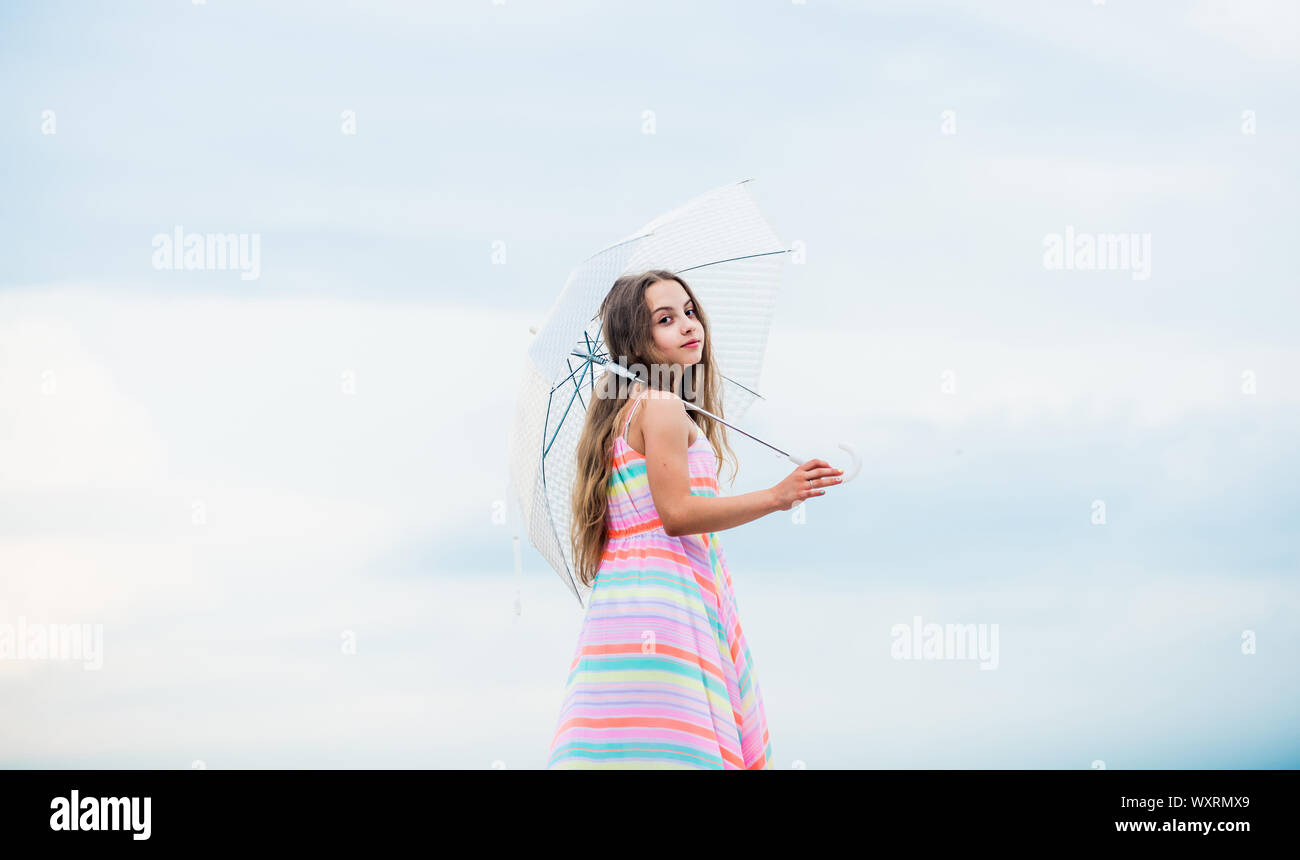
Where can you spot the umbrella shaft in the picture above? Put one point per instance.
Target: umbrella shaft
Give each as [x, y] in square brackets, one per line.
[785, 454]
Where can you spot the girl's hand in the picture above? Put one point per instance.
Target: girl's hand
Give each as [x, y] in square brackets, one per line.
[804, 483]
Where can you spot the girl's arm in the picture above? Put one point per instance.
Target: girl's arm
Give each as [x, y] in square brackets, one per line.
[667, 439]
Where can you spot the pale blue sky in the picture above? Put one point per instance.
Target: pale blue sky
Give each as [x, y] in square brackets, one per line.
[129, 396]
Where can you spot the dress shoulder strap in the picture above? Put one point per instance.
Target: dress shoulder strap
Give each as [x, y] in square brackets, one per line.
[632, 411]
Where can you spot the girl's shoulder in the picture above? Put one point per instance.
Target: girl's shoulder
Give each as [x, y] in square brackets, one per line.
[663, 406]
[656, 397]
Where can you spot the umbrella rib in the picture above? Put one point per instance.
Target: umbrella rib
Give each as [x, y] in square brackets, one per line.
[572, 370]
[739, 385]
[577, 386]
[550, 521]
[560, 423]
[577, 391]
[732, 260]
[577, 370]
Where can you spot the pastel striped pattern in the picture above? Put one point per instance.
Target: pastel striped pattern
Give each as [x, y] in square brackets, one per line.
[661, 676]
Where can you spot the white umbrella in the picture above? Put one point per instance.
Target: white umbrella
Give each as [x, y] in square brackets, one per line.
[734, 261]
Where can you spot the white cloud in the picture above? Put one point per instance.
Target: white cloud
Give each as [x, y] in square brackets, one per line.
[842, 375]
[184, 449]
[65, 421]
[1159, 41]
[1269, 29]
[1098, 184]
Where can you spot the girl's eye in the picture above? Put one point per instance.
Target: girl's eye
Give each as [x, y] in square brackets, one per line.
[690, 311]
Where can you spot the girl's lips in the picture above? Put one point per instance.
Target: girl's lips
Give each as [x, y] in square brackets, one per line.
[691, 344]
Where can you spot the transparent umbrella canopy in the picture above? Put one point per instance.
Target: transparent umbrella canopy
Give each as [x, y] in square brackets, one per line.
[735, 263]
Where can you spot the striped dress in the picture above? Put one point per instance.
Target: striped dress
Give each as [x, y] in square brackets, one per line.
[662, 675]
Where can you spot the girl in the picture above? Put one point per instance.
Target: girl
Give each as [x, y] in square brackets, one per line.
[662, 676]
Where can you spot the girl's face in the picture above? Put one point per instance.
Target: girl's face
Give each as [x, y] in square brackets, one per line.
[678, 335]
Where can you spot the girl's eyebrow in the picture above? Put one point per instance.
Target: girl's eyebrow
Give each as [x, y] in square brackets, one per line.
[666, 308]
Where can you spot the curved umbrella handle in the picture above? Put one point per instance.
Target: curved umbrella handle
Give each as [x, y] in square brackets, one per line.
[849, 473]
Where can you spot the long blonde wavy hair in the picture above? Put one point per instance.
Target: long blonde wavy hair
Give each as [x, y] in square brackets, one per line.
[625, 329]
